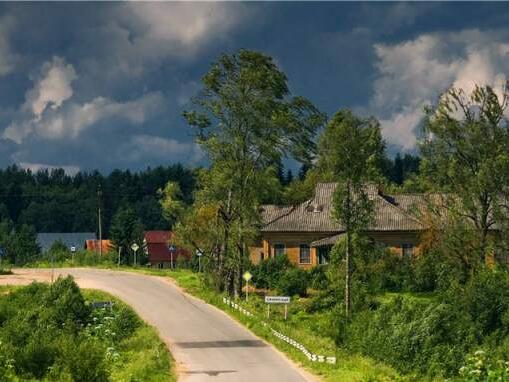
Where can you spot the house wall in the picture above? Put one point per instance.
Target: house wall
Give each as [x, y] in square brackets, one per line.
[293, 240]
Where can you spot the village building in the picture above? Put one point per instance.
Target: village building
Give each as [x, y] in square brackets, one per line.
[99, 246]
[160, 250]
[72, 240]
[306, 232]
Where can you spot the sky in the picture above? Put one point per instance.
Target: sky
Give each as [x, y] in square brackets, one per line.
[103, 85]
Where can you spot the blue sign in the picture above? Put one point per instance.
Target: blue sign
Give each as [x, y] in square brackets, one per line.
[172, 248]
[2, 252]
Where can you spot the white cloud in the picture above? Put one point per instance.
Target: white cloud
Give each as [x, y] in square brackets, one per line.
[71, 120]
[186, 23]
[53, 88]
[78, 117]
[141, 36]
[49, 112]
[142, 146]
[414, 73]
[34, 167]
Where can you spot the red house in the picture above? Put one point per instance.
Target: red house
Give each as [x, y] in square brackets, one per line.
[161, 254]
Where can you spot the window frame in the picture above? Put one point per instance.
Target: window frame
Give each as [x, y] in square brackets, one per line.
[300, 253]
[281, 246]
[404, 248]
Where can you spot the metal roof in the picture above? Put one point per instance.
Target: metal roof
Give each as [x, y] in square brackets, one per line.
[70, 239]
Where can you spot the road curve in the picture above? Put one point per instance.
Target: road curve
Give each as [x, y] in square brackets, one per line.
[206, 343]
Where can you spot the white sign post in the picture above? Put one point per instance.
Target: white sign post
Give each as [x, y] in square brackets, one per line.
[277, 300]
[73, 251]
[135, 248]
[247, 276]
[172, 250]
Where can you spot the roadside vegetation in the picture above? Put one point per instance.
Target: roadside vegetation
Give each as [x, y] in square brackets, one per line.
[55, 333]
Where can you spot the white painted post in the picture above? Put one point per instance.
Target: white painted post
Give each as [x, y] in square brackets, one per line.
[247, 289]
[286, 311]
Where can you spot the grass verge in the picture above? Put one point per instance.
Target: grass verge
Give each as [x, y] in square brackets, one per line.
[144, 357]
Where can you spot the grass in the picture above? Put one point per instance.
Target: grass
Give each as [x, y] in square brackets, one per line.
[144, 357]
[5, 271]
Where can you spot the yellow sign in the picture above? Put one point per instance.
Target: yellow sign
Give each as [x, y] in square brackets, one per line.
[247, 276]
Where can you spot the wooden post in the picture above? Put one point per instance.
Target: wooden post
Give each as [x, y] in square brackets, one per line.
[286, 311]
[268, 311]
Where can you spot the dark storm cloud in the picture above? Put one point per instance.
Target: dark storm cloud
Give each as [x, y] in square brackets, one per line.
[103, 85]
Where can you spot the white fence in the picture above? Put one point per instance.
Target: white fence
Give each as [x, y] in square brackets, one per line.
[311, 356]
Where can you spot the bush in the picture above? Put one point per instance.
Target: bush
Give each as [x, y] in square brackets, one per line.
[428, 338]
[293, 282]
[50, 333]
[325, 300]
[183, 262]
[485, 297]
[58, 252]
[318, 277]
[268, 272]
[479, 368]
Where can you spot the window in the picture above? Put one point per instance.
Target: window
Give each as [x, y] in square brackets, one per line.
[407, 250]
[304, 254]
[502, 258]
[323, 254]
[279, 249]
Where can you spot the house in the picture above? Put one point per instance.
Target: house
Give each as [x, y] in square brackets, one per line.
[306, 232]
[99, 246]
[157, 245]
[76, 240]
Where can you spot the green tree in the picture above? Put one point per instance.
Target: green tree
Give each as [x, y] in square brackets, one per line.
[172, 205]
[466, 158]
[351, 149]
[126, 229]
[22, 246]
[246, 120]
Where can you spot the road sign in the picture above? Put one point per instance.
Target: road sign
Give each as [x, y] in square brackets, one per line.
[2, 252]
[277, 299]
[135, 247]
[73, 249]
[172, 248]
[199, 254]
[247, 276]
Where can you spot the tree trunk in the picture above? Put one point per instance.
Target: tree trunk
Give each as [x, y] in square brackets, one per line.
[348, 277]
[226, 275]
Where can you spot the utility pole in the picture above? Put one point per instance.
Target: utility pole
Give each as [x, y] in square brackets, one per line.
[99, 196]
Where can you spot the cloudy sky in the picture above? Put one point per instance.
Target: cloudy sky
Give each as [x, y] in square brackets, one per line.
[103, 86]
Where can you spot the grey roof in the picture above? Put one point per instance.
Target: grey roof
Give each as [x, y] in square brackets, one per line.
[330, 240]
[392, 213]
[70, 239]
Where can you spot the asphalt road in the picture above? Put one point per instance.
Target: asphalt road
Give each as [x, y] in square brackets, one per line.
[206, 343]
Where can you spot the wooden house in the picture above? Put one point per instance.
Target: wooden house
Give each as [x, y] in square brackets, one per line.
[306, 232]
